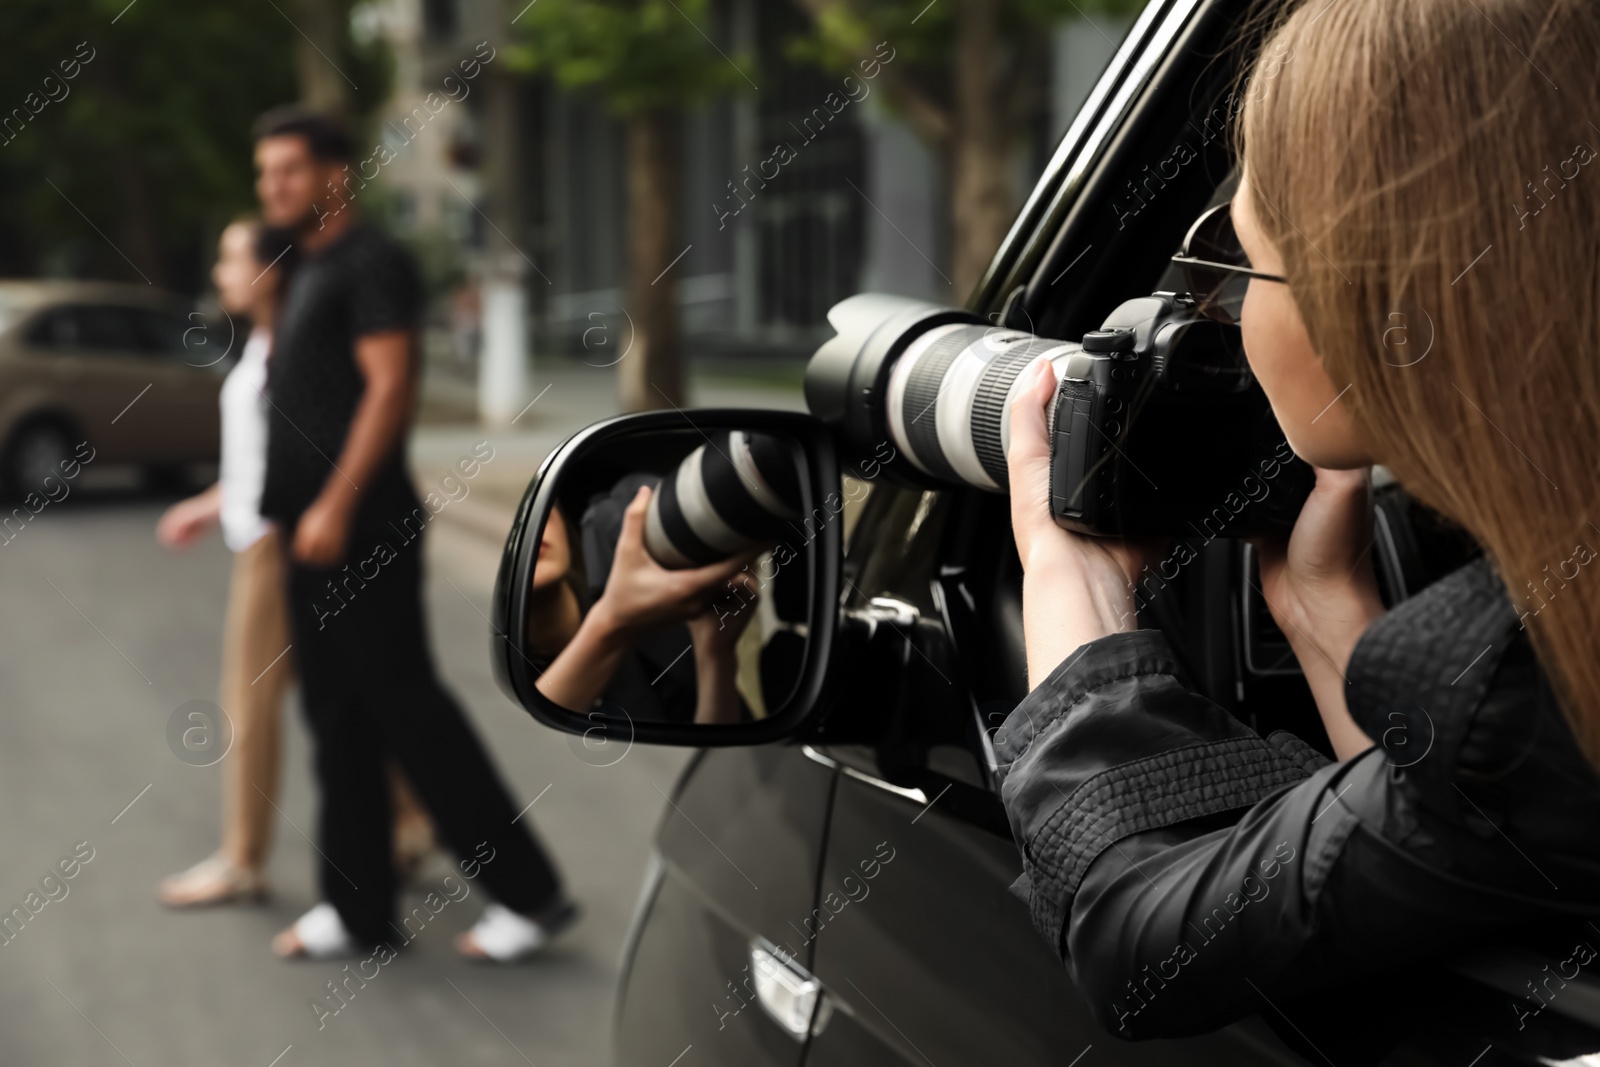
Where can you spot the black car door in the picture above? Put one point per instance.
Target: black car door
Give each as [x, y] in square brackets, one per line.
[924, 955]
[735, 869]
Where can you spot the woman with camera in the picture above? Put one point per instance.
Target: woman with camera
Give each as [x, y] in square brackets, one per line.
[1418, 154]
[621, 645]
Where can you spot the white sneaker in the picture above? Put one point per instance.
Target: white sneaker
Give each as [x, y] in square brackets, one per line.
[321, 936]
[504, 936]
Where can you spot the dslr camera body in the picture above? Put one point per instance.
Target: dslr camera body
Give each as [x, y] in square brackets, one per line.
[1157, 427]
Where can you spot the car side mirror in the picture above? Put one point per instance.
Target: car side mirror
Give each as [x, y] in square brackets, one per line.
[703, 616]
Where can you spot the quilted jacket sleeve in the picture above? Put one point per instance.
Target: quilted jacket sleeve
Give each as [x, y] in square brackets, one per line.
[1187, 870]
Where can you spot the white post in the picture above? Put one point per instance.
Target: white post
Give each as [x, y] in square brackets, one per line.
[503, 363]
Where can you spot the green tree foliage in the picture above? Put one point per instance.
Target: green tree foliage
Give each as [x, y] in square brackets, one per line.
[649, 60]
[639, 55]
[150, 143]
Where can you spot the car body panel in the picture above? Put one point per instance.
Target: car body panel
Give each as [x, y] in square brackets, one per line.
[740, 847]
[148, 401]
[939, 963]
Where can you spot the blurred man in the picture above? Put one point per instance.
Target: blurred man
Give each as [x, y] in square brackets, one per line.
[343, 384]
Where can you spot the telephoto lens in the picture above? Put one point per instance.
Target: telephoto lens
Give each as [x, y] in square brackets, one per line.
[935, 382]
[1157, 426]
[949, 399]
[732, 493]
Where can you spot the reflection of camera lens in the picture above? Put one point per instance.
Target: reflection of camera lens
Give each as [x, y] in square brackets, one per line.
[732, 493]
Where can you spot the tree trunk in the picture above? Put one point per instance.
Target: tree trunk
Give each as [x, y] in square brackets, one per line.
[980, 149]
[139, 230]
[317, 47]
[651, 373]
[141, 220]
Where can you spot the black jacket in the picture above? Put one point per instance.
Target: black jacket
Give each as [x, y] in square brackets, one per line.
[1191, 872]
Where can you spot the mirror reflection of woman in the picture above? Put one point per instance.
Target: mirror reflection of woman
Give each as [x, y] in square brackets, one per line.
[586, 644]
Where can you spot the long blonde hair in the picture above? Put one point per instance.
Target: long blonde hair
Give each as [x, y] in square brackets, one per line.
[1424, 167]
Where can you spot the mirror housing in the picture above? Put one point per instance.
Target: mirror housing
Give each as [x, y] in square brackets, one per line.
[648, 435]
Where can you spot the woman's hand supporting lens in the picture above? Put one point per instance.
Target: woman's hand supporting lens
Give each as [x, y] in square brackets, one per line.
[1075, 588]
[640, 596]
[715, 633]
[1323, 594]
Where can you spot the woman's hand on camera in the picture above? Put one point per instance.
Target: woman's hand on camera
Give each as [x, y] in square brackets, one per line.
[1075, 588]
[641, 594]
[1323, 594]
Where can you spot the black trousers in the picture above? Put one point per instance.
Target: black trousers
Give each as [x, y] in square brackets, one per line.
[371, 694]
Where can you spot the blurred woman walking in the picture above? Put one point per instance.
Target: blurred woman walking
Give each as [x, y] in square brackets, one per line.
[253, 264]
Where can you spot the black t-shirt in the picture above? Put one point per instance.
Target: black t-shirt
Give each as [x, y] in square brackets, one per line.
[363, 283]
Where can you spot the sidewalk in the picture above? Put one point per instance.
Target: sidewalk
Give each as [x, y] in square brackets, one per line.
[564, 398]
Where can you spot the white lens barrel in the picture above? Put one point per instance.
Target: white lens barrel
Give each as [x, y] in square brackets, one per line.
[949, 399]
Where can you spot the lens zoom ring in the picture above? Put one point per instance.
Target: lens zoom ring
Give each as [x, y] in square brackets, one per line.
[680, 534]
[989, 403]
[920, 408]
[732, 499]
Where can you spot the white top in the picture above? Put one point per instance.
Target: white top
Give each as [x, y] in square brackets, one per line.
[244, 444]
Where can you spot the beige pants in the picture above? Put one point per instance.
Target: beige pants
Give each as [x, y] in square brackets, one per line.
[256, 668]
[257, 665]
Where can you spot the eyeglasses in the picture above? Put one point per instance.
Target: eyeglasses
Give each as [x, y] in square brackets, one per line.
[1215, 268]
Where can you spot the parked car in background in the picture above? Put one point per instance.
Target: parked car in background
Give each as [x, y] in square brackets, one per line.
[125, 368]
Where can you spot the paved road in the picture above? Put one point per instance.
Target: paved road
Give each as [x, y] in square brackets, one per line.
[104, 634]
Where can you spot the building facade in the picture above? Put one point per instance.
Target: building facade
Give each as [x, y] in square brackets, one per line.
[527, 180]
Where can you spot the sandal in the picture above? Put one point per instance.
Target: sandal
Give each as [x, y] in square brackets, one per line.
[214, 880]
[503, 936]
[319, 934]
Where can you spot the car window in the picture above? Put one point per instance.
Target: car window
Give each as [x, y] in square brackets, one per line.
[102, 327]
[894, 549]
[158, 333]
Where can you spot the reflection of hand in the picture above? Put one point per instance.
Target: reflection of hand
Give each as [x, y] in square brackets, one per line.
[1322, 592]
[320, 535]
[719, 626]
[715, 633]
[183, 523]
[641, 594]
[1076, 588]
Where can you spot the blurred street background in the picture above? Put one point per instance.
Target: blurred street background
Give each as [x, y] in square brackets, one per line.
[618, 205]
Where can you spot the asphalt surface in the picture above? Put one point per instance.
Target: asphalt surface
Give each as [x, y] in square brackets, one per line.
[104, 635]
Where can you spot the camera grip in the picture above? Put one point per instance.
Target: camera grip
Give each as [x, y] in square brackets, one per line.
[1069, 424]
